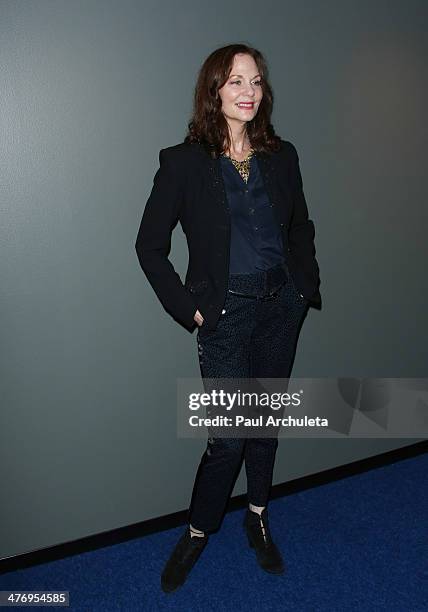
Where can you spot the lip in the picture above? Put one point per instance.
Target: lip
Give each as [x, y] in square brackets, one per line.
[248, 105]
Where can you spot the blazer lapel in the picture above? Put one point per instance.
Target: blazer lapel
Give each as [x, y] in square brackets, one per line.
[216, 182]
[270, 179]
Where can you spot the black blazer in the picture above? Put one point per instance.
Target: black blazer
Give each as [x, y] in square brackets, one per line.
[188, 187]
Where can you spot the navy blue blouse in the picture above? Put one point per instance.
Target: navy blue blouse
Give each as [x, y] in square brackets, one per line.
[255, 241]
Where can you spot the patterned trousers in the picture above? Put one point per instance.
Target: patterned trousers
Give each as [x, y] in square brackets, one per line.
[253, 338]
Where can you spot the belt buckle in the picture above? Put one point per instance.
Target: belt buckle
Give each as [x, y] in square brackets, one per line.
[269, 296]
[272, 294]
[264, 298]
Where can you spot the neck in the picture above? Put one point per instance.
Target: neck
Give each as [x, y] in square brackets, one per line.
[239, 139]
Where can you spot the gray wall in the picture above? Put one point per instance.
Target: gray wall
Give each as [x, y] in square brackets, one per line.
[90, 91]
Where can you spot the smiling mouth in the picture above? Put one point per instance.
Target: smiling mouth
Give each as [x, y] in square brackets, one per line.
[248, 105]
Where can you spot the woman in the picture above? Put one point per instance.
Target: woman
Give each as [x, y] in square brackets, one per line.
[236, 188]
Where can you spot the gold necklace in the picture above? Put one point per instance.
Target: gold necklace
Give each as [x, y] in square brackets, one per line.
[243, 166]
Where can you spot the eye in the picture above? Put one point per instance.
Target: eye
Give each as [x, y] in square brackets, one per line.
[258, 83]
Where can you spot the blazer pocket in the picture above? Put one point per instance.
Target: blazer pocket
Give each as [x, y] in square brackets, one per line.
[197, 287]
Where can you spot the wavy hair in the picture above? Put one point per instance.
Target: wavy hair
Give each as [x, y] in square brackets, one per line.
[208, 125]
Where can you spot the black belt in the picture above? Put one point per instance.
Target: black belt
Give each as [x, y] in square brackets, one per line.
[268, 296]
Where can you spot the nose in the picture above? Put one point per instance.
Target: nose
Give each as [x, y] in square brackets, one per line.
[250, 90]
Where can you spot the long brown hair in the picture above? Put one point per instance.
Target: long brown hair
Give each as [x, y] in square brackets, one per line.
[208, 125]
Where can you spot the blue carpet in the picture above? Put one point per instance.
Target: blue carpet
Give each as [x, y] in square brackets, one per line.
[358, 544]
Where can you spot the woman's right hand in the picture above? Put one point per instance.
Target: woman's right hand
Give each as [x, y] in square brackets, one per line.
[198, 318]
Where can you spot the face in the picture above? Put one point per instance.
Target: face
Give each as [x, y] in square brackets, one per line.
[243, 85]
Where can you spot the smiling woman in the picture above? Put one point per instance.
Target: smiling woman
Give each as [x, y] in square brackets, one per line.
[233, 99]
[236, 188]
[242, 91]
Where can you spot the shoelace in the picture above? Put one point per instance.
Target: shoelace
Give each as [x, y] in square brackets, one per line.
[267, 539]
[263, 530]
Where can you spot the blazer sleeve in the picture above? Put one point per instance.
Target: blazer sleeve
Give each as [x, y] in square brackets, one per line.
[301, 233]
[153, 243]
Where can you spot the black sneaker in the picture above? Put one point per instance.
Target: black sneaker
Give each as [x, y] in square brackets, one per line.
[181, 561]
[259, 538]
